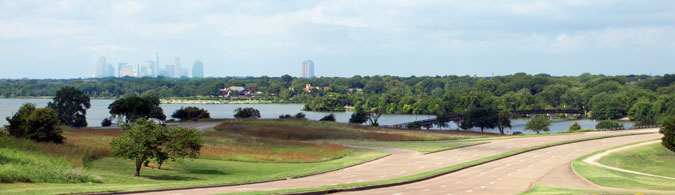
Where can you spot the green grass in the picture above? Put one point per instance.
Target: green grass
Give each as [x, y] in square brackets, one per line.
[118, 174]
[548, 190]
[653, 158]
[420, 146]
[431, 173]
[611, 178]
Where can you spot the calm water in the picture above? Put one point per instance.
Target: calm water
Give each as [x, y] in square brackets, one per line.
[99, 111]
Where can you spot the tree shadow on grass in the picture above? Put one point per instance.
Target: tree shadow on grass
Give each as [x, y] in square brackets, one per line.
[170, 178]
[205, 171]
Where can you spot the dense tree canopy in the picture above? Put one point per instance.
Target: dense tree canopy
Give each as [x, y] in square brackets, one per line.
[135, 107]
[37, 124]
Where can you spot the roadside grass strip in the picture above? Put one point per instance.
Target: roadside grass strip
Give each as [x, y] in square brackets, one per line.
[425, 175]
[618, 179]
[548, 190]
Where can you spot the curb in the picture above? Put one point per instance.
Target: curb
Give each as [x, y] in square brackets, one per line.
[329, 191]
[235, 184]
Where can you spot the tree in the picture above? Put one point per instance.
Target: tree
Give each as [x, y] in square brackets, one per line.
[37, 124]
[538, 123]
[575, 127]
[504, 118]
[483, 118]
[608, 124]
[300, 115]
[143, 140]
[106, 122]
[668, 131]
[71, 104]
[135, 107]
[247, 112]
[329, 117]
[191, 113]
[358, 117]
[643, 112]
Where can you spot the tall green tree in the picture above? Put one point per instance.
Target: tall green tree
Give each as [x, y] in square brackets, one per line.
[538, 123]
[668, 131]
[71, 104]
[504, 118]
[643, 112]
[483, 118]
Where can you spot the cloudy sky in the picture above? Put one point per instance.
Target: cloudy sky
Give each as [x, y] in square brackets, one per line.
[61, 39]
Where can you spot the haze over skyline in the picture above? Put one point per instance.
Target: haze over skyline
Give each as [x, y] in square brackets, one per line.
[61, 39]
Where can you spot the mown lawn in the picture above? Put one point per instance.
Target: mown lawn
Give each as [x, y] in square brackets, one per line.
[548, 190]
[611, 178]
[420, 146]
[653, 158]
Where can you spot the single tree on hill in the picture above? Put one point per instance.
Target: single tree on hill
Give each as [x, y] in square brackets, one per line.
[71, 104]
[135, 107]
[504, 118]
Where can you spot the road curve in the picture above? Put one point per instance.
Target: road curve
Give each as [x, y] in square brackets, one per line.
[512, 175]
[400, 163]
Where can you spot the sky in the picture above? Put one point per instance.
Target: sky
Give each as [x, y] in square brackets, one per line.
[61, 39]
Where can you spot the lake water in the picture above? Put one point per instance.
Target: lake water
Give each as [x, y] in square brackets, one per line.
[99, 111]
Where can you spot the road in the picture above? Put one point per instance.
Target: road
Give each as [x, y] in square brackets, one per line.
[404, 162]
[512, 175]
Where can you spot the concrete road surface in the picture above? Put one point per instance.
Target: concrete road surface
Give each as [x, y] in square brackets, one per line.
[404, 162]
[511, 175]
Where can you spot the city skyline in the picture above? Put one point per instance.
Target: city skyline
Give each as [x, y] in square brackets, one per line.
[401, 38]
[148, 68]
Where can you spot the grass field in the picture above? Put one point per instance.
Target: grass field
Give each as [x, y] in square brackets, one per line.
[235, 152]
[611, 178]
[420, 146]
[653, 158]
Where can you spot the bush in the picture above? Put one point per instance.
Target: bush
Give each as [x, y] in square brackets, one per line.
[106, 122]
[329, 117]
[608, 124]
[37, 124]
[300, 115]
[285, 116]
[575, 127]
[668, 131]
[191, 113]
[246, 113]
[538, 123]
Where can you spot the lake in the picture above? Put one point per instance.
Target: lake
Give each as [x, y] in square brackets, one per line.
[99, 111]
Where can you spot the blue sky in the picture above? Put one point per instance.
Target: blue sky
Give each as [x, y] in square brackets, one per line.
[61, 39]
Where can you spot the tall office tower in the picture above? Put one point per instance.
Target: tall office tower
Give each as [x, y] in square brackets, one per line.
[119, 68]
[167, 71]
[198, 70]
[145, 69]
[109, 71]
[307, 69]
[100, 67]
[155, 72]
[176, 68]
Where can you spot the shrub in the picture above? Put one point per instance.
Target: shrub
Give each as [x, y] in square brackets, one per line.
[191, 113]
[329, 117]
[359, 117]
[106, 122]
[668, 131]
[608, 124]
[575, 127]
[37, 124]
[300, 115]
[285, 116]
[538, 123]
[246, 113]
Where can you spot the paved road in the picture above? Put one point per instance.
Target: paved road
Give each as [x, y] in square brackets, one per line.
[400, 163]
[511, 175]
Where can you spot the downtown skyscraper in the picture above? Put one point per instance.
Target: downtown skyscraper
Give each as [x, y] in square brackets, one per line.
[307, 69]
[198, 70]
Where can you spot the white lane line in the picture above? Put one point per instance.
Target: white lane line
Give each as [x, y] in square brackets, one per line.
[468, 191]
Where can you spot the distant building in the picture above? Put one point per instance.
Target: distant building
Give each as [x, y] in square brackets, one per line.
[198, 70]
[184, 73]
[145, 69]
[235, 91]
[109, 71]
[155, 69]
[177, 68]
[100, 67]
[307, 69]
[167, 71]
[128, 70]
